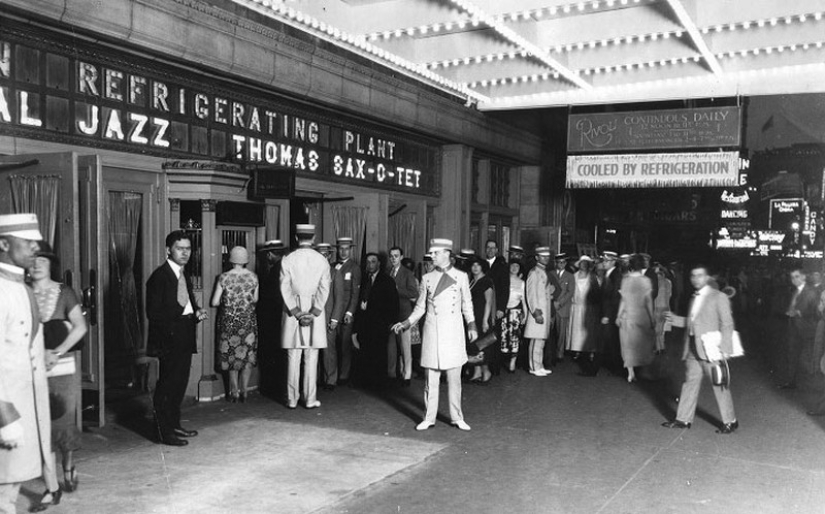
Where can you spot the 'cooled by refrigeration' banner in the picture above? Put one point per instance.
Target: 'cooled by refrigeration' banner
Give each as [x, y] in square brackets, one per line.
[717, 169]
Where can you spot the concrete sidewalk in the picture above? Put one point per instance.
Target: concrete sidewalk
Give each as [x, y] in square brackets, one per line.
[562, 443]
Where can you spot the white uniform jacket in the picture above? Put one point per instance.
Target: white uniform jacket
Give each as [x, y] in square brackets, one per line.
[24, 392]
[445, 297]
[305, 283]
[539, 298]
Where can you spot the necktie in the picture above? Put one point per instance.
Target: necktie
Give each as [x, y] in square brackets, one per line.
[183, 293]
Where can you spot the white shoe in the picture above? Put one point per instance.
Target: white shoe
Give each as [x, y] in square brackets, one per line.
[546, 371]
[291, 405]
[461, 424]
[313, 405]
[424, 425]
[539, 373]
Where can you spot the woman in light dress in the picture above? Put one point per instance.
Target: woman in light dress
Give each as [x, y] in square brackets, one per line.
[584, 312]
[636, 319]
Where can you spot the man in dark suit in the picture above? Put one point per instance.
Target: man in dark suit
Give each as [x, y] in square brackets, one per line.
[609, 353]
[271, 358]
[500, 274]
[173, 313]
[709, 314]
[336, 303]
[407, 290]
[377, 312]
[803, 317]
[351, 275]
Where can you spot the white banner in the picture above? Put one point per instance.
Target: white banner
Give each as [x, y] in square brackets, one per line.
[717, 169]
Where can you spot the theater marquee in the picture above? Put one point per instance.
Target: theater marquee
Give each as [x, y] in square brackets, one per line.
[717, 169]
[79, 92]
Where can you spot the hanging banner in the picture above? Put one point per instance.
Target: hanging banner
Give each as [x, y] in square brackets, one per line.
[709, 127]
[718, 169]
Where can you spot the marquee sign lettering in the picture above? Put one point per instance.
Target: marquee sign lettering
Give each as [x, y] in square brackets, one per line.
[82, 94]
[717, 169]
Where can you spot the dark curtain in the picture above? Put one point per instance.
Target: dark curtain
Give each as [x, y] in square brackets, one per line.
[124, 222]
[38, 194]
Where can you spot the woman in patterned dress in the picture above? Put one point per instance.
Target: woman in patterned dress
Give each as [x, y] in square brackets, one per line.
[514, 316]
[236, 294]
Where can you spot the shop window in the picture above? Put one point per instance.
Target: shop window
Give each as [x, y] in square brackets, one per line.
[191, 220]
[499, 185]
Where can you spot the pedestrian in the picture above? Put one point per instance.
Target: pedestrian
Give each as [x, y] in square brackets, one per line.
[609, 346]
[63, 329]
[709, 317]
[334, 310]
[515, 316]
[271, 360]
[803, 316]
[305, 286]
[444, 295]
[236, 293]
[351, 275]
[661, 305]
[482, 293]
[563, 302]
[25, 427]
[377, 313]
[399, 346]
[635, 319]
[173, 313]
[540, 311]
[584, 315]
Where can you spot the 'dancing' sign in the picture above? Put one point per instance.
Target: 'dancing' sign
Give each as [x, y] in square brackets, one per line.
[711, 127]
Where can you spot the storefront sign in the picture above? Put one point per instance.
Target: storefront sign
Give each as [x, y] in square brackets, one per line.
[716, 169]
[81, 94]
[784, 213]
[710, 127]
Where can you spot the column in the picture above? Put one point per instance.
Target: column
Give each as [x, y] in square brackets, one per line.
[452, 214]
[210, 386]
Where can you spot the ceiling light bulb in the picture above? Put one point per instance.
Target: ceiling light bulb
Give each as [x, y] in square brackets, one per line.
[566, 9]
[760, 23]
[746, 25]
[818, 16]
[788, 20]
[553, 11]
[580, 6]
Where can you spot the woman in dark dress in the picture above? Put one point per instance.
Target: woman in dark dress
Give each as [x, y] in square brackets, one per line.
[482, 291]
[63, 328]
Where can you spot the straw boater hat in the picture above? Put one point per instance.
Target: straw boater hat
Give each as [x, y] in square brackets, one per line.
[624, 257]
[273, 245]
[543, 250]
[323, 247]
[516, 249]
[466, 254]
[584, 258]
[441, 244]
[560, 257]
[24, 226]
[609, 256]
[238, 255]
[305, 228]
[428, 257]
[344, 241]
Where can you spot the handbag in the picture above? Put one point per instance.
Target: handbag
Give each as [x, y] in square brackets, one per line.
[476, 347]
[65, 366]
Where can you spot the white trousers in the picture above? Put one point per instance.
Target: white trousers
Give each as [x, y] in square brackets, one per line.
[454, 390]
[310, 369]
[536, 354]
[402, 341]
[8, 497]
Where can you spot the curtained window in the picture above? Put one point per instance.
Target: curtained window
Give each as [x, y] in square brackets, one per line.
[402, 232]
[39, 194]
[350, 222]
[125, 210]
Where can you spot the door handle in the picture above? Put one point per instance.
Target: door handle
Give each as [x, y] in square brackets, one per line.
[90, 298]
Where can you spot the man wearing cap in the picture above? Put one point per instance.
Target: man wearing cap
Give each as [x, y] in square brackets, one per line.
[305, 286]
[25, 425]
[539, 295]
[515, 253]
[444, 295]
[173, 313]
[609, 346]
[407, 289]
[563, 303]
[334, 310]
[351, 276]
[269, 308]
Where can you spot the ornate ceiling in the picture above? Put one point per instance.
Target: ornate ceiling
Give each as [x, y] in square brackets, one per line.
[517, 54]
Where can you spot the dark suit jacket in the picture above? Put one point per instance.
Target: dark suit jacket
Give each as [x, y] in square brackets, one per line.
[500, 273]
[373, 324]
[804, 325]
[407, 292]
[168, 331]
[610, 295]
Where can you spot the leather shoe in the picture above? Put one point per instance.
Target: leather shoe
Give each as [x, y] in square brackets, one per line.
[675, 423]
[728, 428]
[461, 425]
[816, 413]
[173, 441]
[182, 432]
[424, 425]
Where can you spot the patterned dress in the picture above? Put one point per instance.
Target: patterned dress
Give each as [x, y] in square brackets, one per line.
[237, 321]
[512, 320]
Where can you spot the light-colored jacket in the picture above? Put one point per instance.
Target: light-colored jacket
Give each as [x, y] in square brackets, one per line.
[305, 283]
[445, 297]
[24, 391]
[539, 299]
[714, 315]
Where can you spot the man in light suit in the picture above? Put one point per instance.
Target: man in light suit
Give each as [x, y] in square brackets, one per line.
[709, 312]
[563, 303]
[305, 288]
[539, 291]
[334, 310]
[173, 313]
[407, 293]
[444, 295]
[351, 275]
[803, 317]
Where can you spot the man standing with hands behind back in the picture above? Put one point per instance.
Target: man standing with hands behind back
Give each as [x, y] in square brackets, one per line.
[444, 295]
[173, 313]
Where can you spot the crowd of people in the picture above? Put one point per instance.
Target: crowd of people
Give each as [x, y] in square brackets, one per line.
[455, 313]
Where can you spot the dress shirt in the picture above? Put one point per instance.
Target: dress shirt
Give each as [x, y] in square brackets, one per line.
[178, 270]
